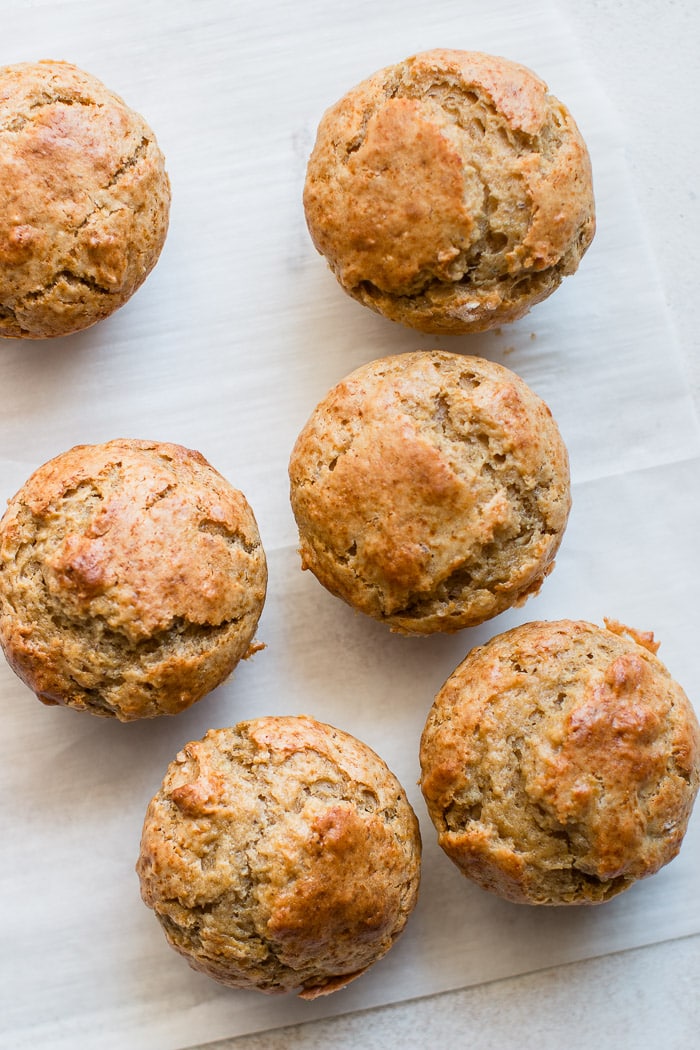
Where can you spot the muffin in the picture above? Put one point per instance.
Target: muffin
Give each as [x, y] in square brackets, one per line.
[132, 578]
[280, 855]
[450, 192]
[560, 763]
[84, 200]
[431, 491]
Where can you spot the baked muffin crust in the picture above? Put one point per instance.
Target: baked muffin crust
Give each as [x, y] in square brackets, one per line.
[450, 192]
[132, 578]
[560, 763]
[431, 491]
[84, 200]
[280, 855]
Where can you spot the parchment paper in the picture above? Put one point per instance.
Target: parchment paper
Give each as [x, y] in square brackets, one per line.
[227, 348]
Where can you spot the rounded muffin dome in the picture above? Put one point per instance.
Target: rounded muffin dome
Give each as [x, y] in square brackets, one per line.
[132, 578]
[430, 490]
[560, 763]
[84, 200]
[450, 192]
[280, 855]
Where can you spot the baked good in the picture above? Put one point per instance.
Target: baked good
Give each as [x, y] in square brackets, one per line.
[560, 763]
[431, 491]
[450, 192]
[280, 855]
[84, 200]
[132, 578]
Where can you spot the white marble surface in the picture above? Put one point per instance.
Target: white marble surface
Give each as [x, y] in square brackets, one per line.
[645, 55]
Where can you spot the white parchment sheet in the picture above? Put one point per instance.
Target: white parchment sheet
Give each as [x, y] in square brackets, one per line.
[228, 346]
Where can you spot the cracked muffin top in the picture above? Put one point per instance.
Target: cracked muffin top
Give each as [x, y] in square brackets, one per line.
[280, 855]
[84, 200]
[450, 192]
[560, 762]
[430, 490]
[132, 578]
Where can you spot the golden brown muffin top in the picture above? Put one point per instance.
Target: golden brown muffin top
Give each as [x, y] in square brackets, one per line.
[131, 572]
[431, 490]
[281, 855]
[84, 200]
[560, 763]
[450, 191]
